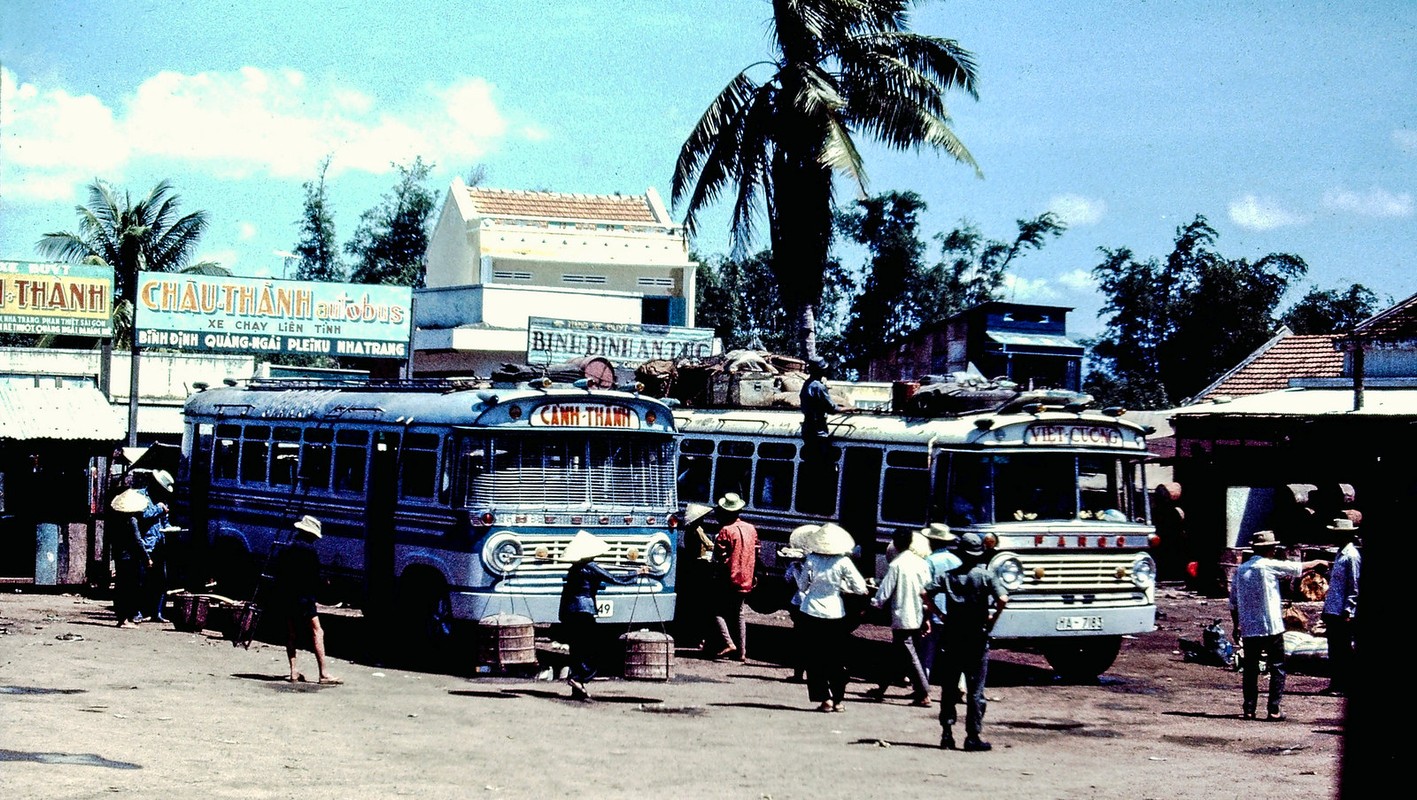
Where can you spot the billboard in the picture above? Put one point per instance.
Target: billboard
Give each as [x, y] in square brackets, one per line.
[624, 344]
[64, 299]
[264, 315]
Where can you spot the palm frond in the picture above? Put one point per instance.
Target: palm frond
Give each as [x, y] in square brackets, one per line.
[713, 126]
[206, 268]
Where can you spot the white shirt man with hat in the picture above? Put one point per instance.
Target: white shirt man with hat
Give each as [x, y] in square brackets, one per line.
[1256, 611]
[1341, 606]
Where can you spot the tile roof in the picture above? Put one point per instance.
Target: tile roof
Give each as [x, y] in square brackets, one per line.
[1395, 324]
[596, 207]
[46, 412]
[1272, 366]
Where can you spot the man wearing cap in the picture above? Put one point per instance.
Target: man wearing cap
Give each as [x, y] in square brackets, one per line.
[1341, 606]
[940, 561]
[735, 552]
[816, 404]
[296, 574]
[974, 600]
[1259, 623]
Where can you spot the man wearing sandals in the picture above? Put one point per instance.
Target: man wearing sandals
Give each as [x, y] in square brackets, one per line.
[297, 581]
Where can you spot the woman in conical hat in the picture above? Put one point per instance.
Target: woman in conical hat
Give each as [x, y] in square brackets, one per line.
[826, 574]
[578, 605]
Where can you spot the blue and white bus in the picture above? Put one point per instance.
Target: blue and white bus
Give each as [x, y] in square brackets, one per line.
[452, 499]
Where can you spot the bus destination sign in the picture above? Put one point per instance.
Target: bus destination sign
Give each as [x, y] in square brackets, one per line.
[584, 415]
[1080, 435]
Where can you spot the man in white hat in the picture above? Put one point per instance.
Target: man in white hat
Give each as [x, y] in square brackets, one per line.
[1341, 606]
[735, 554]
[296, 574]
[1259, 623]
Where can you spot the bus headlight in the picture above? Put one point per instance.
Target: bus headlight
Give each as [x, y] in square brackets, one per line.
[1008, 570]
[659, 555]
[502, 553]
[1144, 571]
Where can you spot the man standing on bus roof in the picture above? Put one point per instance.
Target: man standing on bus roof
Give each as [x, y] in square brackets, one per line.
[973, 601]
[735, 554]
[296, 574]
[816, 404]
[1259, 623]
[578, 596]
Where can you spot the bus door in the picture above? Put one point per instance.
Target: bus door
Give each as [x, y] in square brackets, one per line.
[382, 500]
[861, 498]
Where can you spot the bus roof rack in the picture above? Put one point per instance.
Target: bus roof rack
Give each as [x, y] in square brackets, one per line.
[369, 384]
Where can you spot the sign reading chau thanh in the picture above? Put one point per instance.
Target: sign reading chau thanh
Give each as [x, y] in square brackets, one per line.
[264, 315]
[556, 341]
[65, 299]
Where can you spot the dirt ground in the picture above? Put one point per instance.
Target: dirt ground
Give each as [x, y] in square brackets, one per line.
[92, 710]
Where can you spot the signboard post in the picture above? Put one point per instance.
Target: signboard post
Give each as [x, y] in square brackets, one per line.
[556, 341]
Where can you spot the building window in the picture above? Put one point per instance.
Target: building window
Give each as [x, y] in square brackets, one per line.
[661, 283]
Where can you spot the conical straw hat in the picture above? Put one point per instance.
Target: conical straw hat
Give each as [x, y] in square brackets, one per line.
[797, 540]
[829, 540]
[131, 501]
[584, 545]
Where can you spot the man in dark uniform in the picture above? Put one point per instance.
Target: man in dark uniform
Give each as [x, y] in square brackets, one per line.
[973, 602]
[816, 405]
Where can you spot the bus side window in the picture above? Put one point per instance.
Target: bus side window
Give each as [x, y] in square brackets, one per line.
[817, 484]
[351, 455]
[285, 458]
[226, 455]
[315, 460]
[734, 471]
[695, 470]
[774, 479]
[255, 453]
[905, 492]
[419, 470]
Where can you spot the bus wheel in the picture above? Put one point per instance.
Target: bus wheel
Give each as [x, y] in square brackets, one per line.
[427, 611]
[1083, 660]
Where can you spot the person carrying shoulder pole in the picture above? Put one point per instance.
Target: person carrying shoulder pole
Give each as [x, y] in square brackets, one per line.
[297, 581]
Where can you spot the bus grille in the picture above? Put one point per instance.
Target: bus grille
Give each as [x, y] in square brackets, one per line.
[1077, 572]
[542, 565]
[555, 488]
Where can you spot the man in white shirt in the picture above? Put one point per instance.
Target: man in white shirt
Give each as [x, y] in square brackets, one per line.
[1259, 623]
[1341, 606]
[902, 589]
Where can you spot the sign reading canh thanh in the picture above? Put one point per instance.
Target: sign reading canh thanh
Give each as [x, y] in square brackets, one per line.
[624, 344]
[264, 315]
[64, 299]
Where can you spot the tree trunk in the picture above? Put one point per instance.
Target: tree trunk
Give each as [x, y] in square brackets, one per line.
[807, 329]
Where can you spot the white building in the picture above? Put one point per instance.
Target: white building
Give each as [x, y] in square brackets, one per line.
[498, 257]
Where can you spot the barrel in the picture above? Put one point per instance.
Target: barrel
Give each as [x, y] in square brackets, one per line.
[649, 655]
[504, 640]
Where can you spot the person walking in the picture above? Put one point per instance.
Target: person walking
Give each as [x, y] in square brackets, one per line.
[695, 578]
[1341, 607]
[973, 602]
[1259, 622]
[902, 589]
[735, 555]
[130, 558]
[157, 486]
[827, 573]
[296, 583]
[577, 611]
[794, 553]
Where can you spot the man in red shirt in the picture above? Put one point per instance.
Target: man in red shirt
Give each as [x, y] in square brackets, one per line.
[735, 558]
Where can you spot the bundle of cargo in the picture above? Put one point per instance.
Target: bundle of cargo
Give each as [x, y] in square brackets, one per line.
[739, 378]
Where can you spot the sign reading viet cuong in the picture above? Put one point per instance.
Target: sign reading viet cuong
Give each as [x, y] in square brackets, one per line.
[263, 315]
[556, 341]
[64, 299]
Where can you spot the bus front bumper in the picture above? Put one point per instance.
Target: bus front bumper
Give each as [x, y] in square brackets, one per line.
[616, 609]
[1067, 620]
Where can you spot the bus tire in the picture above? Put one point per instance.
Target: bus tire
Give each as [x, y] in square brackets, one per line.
[426, 611]
[1084, 659]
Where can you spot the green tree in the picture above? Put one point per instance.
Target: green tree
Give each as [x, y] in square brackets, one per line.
[391, 241]
[149, 235]
[1177, 326]
[1331, 311]
[737, 298]
[318, 249]
[971, 269]
[842, 68]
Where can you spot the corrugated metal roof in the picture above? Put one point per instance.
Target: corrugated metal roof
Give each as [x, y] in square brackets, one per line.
[1311, 402]
[1034, 340]
[73, 414]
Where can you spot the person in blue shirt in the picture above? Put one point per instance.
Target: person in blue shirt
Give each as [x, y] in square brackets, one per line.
[1341, 606]
[577, 613]
[816, 404]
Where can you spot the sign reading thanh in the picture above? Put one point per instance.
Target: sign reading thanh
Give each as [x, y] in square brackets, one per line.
[64, 299]
[264, 315]
[556, 341]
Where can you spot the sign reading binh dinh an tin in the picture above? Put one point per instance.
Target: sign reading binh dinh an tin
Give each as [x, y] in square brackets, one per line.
[556, 341]
[264, 315]
[63, 299]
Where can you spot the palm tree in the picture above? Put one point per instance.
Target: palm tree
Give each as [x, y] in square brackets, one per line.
[150, 235]
[843, 67]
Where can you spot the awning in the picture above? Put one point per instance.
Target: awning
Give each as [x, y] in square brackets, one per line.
[71, 414]
[1036, 340]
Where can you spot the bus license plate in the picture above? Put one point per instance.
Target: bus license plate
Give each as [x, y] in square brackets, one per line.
[1079, 623]
[606, 608]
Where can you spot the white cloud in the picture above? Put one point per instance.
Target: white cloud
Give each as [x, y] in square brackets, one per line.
[1375, 202]
[1027, 290]
[1259, 214]
[1078, 280]
[1076, 210]
[249, 122]
[1405, 139]
[246, 231]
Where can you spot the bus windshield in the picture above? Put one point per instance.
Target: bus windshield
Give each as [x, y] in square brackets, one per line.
[1041, 487]
[564, 471]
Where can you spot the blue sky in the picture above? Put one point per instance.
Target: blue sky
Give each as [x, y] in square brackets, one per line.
[1292, 126]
